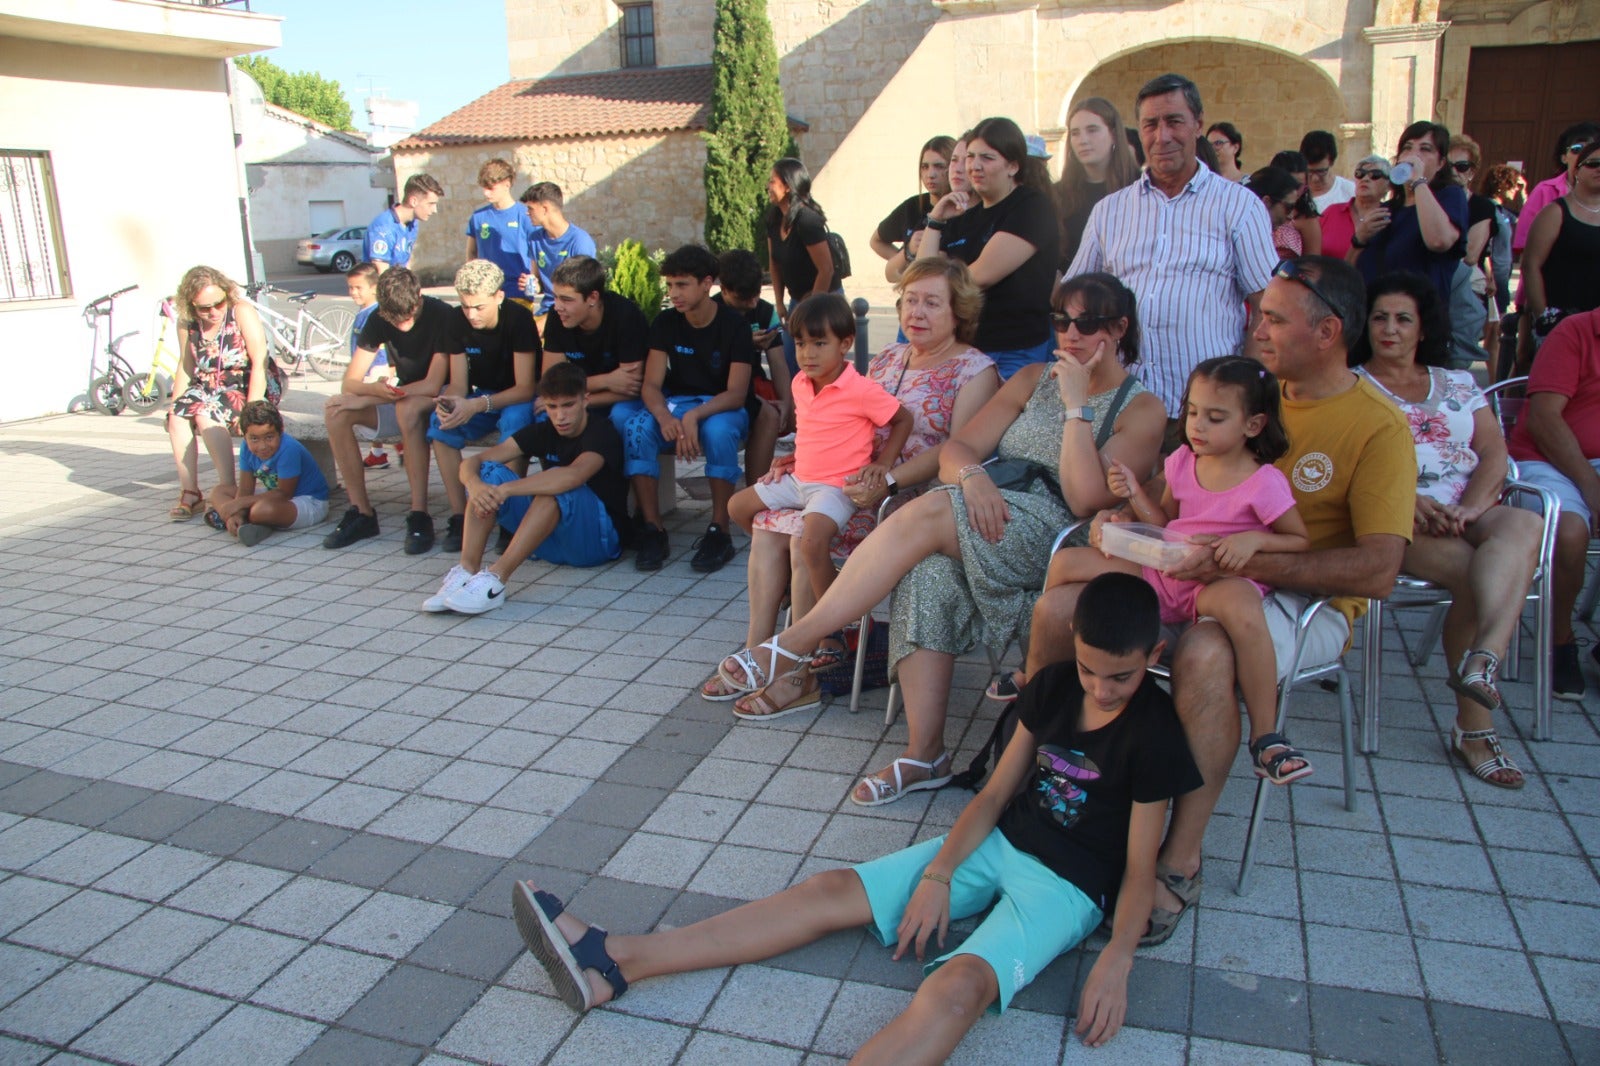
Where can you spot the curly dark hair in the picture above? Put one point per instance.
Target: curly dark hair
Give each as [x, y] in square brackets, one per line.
[1434, 347]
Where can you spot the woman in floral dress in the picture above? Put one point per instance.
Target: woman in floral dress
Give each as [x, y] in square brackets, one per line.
[225, 365]
[1463, 538]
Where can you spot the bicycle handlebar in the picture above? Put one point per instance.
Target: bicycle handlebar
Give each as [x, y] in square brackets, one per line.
[108, 297]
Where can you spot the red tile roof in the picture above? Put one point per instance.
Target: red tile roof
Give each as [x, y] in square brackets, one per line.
[579, 105]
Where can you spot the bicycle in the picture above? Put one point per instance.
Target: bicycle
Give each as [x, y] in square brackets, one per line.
[105, 390]
[322, 343]
[149, 390]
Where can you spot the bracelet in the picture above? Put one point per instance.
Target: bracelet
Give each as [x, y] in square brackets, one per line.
[935, 224]
[1357, 242]
[967, 471]
[929, 875]
[488, 404]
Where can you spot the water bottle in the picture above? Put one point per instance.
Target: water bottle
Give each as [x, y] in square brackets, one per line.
[1400, 174]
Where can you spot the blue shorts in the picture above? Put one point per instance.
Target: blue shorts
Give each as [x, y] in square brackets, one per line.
[507, 420]
[1009, 361]
[721, 437]
[1037, 914]
[584, 535]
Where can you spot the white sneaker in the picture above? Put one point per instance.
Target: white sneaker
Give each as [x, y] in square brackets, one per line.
[457, 577]
[482, 592]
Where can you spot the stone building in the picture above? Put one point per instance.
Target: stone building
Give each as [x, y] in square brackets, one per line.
[873, 79]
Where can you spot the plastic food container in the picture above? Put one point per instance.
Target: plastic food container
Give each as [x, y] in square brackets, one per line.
[1147, 545]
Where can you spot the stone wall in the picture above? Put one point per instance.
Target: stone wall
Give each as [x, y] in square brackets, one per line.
[1273, 98]
[644, 187]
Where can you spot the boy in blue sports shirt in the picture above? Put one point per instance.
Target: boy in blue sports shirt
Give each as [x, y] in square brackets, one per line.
[280, 486]
[569, 513]
[392, 234]
[553, 241]
[1064, 832]
[500, 231]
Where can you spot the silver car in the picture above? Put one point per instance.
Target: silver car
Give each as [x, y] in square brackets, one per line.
[338, 249]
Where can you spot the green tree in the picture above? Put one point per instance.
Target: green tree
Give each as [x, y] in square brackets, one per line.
[303, 92]
[748, 129]
[637, 275]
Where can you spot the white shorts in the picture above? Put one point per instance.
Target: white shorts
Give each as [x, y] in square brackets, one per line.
[1325, 639]
[308, 510]
[808, 497]
[388, 425]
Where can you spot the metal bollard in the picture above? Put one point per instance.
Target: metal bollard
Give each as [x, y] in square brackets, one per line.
[860, 306]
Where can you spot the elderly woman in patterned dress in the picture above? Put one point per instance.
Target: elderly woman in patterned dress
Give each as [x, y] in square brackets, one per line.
[965, 560]
[943, 381]
[225, 365]
[1464, 538]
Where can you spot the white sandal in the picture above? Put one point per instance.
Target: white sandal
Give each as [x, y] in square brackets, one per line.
[755, 675]
[883, 792]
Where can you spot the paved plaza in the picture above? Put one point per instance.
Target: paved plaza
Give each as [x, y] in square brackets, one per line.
[255, 808]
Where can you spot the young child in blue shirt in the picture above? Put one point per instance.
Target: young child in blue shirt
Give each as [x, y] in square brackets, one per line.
[280, 485]
[362, 284]
[1065, 832]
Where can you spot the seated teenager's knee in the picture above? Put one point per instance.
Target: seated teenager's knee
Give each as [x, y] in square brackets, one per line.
[961, 987]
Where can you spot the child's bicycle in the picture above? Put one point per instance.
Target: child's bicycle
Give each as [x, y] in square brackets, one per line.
[105, 389]
[304, 340]
[149, 390]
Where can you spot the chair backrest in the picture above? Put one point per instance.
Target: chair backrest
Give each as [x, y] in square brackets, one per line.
[1508, 399]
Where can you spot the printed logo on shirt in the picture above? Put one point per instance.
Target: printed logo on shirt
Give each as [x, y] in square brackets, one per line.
[268, 478]
[1059, 772]
[380, 246]
[485, 231]
[1313, 472]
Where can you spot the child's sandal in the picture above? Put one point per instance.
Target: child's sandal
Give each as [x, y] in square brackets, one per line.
[1272, 768]
[536, 912]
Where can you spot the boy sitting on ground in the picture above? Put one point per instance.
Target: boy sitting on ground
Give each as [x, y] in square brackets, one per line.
[569, 513]
[280, 485]
[1064, 832]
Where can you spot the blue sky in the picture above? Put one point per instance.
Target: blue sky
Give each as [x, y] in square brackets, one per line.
[440, 55]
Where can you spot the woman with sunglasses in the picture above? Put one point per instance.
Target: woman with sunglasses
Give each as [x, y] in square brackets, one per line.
[1303, 213]
[224, 365]
[966, 560]
[1561, 265]
[1362, 216]
[1010, 240]
[1547, 192]
[1427, 215]
[1463, 537]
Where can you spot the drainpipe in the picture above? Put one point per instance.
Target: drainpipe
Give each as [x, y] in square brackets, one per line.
[239, 176]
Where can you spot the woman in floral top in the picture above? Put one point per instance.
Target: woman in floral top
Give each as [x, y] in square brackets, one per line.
[1462, 538]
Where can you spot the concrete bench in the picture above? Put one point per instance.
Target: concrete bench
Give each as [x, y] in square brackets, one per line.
[302, 419]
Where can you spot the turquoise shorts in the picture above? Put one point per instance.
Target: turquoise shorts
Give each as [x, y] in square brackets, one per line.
[1037, 914]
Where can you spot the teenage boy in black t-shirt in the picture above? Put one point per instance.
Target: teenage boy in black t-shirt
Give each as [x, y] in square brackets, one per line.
[491, 379]
[769, 405]
[414, 330]
[696, 379]
[1064, 832]
[568, 513]
[602, 332]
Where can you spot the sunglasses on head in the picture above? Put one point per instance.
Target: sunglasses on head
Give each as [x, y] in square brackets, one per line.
[1086, 323]
[1363, 173]
[1574, 148]
[1290, 270]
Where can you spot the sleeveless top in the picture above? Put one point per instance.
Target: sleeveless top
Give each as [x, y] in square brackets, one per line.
[1572, 269]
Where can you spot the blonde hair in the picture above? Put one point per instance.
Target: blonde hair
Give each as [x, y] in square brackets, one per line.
[479, 277]
[966, 298]
[1461, 142]
[195, 281]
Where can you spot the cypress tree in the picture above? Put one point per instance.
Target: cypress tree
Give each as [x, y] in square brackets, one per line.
[748, 129]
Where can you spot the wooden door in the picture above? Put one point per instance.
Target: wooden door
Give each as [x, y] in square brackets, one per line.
[1519, 99]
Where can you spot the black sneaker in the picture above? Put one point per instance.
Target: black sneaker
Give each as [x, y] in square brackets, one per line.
[1566, 678]
[419, 532]
[652, 543]
[452, 535]
[713, 550]
[352, 527]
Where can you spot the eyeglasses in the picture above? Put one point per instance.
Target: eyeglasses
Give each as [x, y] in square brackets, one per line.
[1363, 173]
[1592, 163]
[1320, 172]
[1086, 323]
[199, 308]
[1461, 166]
[1290, 270]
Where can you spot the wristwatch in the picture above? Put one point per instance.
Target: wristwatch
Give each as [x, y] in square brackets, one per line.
[894, 486]
[1085, 413]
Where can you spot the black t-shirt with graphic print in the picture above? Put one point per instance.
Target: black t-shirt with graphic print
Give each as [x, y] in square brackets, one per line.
[1073, 812]
[491, 353]
[541, 441]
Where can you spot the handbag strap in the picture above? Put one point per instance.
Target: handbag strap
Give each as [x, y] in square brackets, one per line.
[1108, 424]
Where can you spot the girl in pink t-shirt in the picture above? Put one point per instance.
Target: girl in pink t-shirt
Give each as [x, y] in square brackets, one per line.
[1223, 491]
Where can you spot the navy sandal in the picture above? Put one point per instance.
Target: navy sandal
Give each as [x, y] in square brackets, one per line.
[536, 912]
[1004, 688]
[1272, 768]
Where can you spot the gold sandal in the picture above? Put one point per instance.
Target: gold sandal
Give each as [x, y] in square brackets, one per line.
[182, 511]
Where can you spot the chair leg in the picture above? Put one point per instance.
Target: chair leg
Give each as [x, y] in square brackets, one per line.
[1543, 646]
[1347, 738]
[1431, 632]
[1511, 666]
[1371, 675]
[861, 662]
[1257, 814]
[889, 707]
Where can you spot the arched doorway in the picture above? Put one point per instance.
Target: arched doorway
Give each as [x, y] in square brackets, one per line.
[1272, 96]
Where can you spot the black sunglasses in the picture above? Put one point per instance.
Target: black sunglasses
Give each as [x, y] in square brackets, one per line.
[1461, 166]
[1290, 270]
[1086, 323]
[1363, 173]
[1592, 163]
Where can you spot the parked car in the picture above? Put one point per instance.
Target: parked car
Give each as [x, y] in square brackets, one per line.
[338, 249]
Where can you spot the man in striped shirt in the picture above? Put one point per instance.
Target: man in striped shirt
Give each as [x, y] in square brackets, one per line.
[1195, 248]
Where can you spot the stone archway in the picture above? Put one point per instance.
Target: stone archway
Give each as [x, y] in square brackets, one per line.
[1271, 96]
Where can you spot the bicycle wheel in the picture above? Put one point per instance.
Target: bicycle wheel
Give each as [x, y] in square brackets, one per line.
[105, 394]
[327, 342]
[145, 392]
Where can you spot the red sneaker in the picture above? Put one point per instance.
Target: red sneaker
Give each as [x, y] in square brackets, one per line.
[376, 461]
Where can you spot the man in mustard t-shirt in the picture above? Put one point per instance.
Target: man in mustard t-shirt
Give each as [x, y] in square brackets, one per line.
[1353, 465]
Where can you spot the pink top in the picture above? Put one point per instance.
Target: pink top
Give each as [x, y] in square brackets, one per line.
[1251, 505]
[1287, 238]
[834, 427]
[1542, 196]
[1338, 226]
